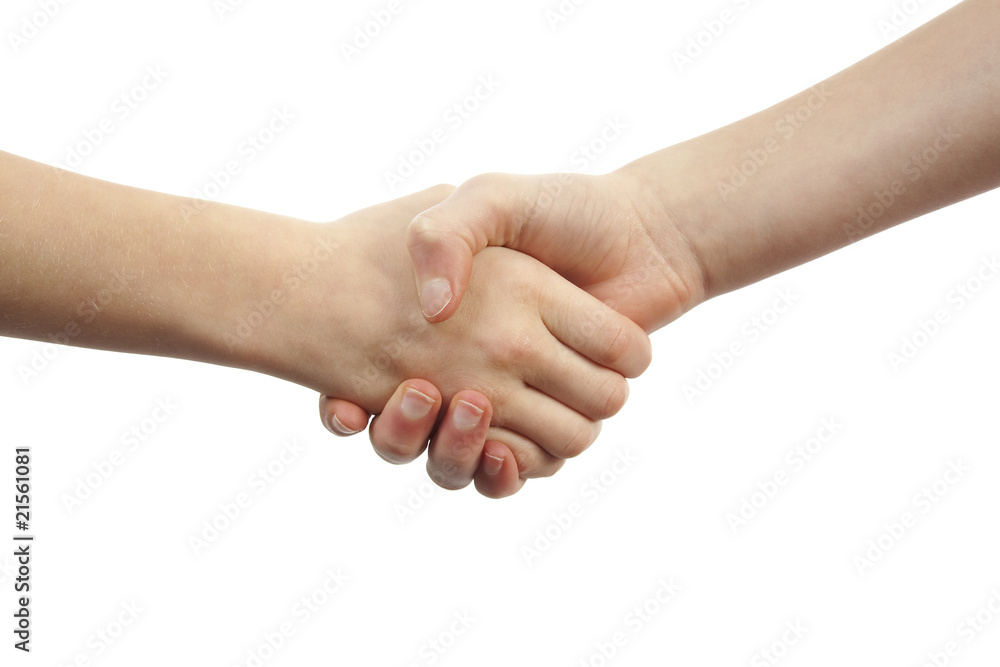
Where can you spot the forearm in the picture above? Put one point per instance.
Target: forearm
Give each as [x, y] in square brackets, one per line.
[95, 264]
[912, 128]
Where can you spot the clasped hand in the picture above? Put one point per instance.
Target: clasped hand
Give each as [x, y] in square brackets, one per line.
[542, 377]
[527, 367]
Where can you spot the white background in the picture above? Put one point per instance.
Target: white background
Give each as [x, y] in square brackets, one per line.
[339, 506]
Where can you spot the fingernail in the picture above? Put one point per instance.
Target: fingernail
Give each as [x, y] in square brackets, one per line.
[467, 416]
[415, 404]
[336, 426]
[435, 294]
[492, 464]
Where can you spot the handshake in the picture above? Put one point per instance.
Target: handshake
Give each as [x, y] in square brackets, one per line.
[534, 294]
[514, 354]
[502, 362]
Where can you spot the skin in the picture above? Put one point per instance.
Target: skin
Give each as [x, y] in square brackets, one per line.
[325, 305]
[912, 128]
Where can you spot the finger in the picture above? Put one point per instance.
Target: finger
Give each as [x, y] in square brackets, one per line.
[593, 391]
[342, 417]
[556, 429]
[547, 365]
[456, 448]
[486, 210]
[597, 332]
[401, 432]
[442, 263]
[530, 460]
[497, 475]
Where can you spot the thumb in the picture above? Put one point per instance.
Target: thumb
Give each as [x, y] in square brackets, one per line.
[442, 263]
[485, 210]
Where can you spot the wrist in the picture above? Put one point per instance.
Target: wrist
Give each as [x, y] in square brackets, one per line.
[239, 316]
[728, 220]
[322, 308]
[672, 202]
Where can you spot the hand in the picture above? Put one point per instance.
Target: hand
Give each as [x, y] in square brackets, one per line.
[610, 235]
[400, 434]
[359, 333]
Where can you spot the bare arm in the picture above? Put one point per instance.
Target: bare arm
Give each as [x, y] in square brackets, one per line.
[326, 305]
[912, 128]
[96, 264]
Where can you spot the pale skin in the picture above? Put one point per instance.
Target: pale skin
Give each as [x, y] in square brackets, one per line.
[531, 361]
[908, 130]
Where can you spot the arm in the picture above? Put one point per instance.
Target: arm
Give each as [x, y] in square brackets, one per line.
[327, 306]
[910, 129]
[100, 265]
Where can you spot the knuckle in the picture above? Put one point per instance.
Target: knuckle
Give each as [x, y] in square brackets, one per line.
[518, 350]
[393, 444]
[422, 228]
[526, 466]
[441, 190]
[536, 463]
[581, 440]
[494, 193]
[484, 183]
[447, 475]
[453, 461]
[396, 451]
[614, 394]
[462, 454]
[618, 343]
[499, 395]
